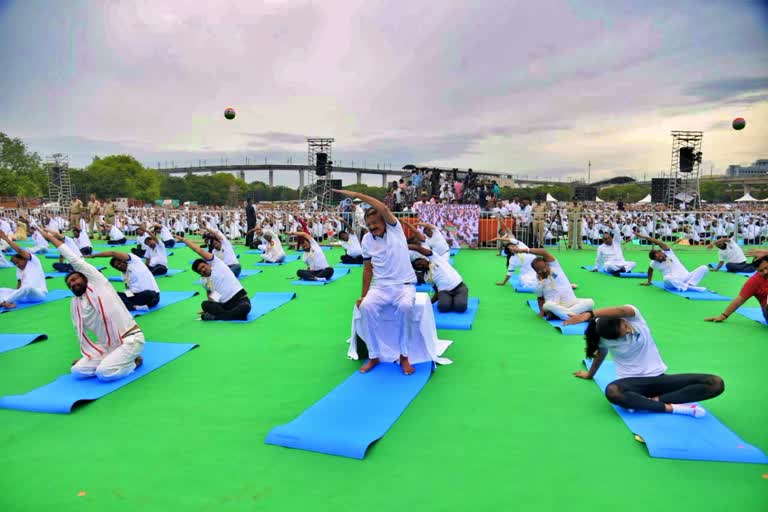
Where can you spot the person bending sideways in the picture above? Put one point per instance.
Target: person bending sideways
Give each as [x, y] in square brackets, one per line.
[731, 255]
[642, 383]
[528, 277]
[756, 286]
[348, 240]
[141, 290]
[227, 299]
[273, 248]
[30, 278]
[113, 348]
[156, 256]
[553, 288]
[222, 249]
[452, 293]
[388, 279]
[314, 257]
[676, 276]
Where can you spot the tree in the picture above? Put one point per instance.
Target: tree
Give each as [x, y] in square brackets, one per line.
[21, 171]
[122, 176]
[630, 193]
[377, 192]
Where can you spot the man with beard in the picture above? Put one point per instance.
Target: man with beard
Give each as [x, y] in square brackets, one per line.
[96, 308]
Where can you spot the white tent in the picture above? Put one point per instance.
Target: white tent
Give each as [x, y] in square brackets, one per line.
[746, 197]
[598, 200]
[764, 200]
[645, 200]
[550, 199]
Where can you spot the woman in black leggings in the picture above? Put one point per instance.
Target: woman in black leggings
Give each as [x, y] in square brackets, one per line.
[642, 383]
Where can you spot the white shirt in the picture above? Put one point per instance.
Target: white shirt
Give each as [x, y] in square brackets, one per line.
[33, 275]
[227, 253]
[137, 276]
[732, 253]
[83, 240]
[71, 244]
[555, 288]
[635, 354]
[352, 246]
[40, 241]
[165, 233]
[670, 267]
[610, 253]
[222, 283]
[389, 256]
[157, 255]
[315, 257]
[442, 273]
[522, 260]
[273, 250]
[115, 233]
[438, 244]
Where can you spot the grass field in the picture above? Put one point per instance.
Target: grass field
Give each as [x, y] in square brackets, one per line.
[506, 427]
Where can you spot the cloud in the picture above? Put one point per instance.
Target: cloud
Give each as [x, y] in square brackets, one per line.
[728, 88]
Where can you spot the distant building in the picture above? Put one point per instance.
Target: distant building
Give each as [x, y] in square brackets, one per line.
[759, 168]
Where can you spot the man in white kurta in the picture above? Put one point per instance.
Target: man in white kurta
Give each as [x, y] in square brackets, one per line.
[610, 256]
[676, 276]
[112, 349]
[30, 277]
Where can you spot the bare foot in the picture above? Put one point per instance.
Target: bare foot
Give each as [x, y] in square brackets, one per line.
[7, 305]
[406, 365]
[368, 366]
[139, 361]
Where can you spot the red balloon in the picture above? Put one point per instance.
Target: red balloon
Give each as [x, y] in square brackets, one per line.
[739, 123]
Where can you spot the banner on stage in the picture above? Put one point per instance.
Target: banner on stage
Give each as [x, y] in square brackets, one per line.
[459, 222]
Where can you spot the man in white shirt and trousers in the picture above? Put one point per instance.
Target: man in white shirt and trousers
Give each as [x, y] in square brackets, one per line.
[676, 276]
[388, 279]
[30, 277]
[610, 256]
[731, 256]
[141, 290]
[96, 308]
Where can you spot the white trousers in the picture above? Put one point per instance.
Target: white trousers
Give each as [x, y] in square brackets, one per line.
[114, 365]
[615, 266]
[562, 311]
[688, 281]
[38, 250]
[400, 296]
[273, 257]
[23, 294]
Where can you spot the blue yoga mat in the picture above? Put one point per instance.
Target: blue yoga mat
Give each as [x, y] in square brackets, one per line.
[453, 252]
[11, 341]
[171, 272]
[61, 395]
[52, 296]
[288, 259]
[514, 282]
[675, 436]
[336, 425]
[457, 321]
[338, 273]
[348, 265]
[248, 273]
[723, 269]
[166, 299]
[753, 314]
[265, 302]
[254, 251]
[691, 294]
[51, 255]
[631, 275]
[323, 247]
[569, 330]
[425, 288]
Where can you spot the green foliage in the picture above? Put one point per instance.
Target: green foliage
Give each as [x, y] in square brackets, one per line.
[21, 171]
[377, 192]
[629, 193]
[119, 176]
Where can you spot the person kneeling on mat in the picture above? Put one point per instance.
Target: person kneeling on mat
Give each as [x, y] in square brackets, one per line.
[756, 286]
[452, 294]
[156, 256]
[227, 300]
[141, 290]
[642, 383]
[314, 257]
[96, 308]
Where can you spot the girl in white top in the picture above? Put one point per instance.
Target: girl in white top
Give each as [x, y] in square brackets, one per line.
[642, 384]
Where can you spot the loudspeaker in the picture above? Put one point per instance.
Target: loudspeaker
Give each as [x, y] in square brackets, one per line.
[659, 188]
[687, 159]
[585, 193]
[321, 163]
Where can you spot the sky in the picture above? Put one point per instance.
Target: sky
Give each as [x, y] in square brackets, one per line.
[530, 88]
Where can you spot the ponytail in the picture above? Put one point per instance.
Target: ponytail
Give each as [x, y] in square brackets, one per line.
[592, 338]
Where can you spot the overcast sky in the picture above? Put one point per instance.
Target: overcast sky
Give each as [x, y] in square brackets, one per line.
[537, 88]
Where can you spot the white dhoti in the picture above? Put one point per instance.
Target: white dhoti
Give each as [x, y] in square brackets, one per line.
[423, 345]
[528, 280]
[685, 282]
[114, 365]
[618, 265]
[565, 309]
[23, 294]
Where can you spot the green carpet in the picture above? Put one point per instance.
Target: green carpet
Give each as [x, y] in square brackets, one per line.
[506, 427]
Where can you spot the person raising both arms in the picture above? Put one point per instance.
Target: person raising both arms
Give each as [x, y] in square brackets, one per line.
[642, 383]
[756, 286]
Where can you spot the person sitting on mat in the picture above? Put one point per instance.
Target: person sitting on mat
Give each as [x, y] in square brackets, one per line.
[61, 265]
[156, 256]
[756, 286]
[222, 249]
[41, 246]
[30, 277]
[388, 279]
[314, 257]
[116, 236]
[273, 251]
[435, 239]
[164, 234]
[348, 240]
[642, 382]
[731, 255]
[227, 299]
[522, 260]
[83, 241]
[452, 294]
[676, 276]
[610, 257]
[553, 288]
[96, 308]
[141, 290]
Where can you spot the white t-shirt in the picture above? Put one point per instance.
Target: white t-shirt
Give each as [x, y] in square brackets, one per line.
[445, 277]
[115, 233]
[352, 246]
[157, 255]
[227, 253]
[635, 354]
[71, 244]
[670, 267]
[33, 275]
[83, 240]
[389, 256]
[438, 243]
[137, 276]
[732, 253]
[555, 288]
[315, 257]
[222, 281]
[610, 253]
[522, 260]
[165, 233]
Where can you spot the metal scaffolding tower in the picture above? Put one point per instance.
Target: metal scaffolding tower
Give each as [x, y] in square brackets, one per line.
[319, 186]
[59, 186]
[685, 171]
